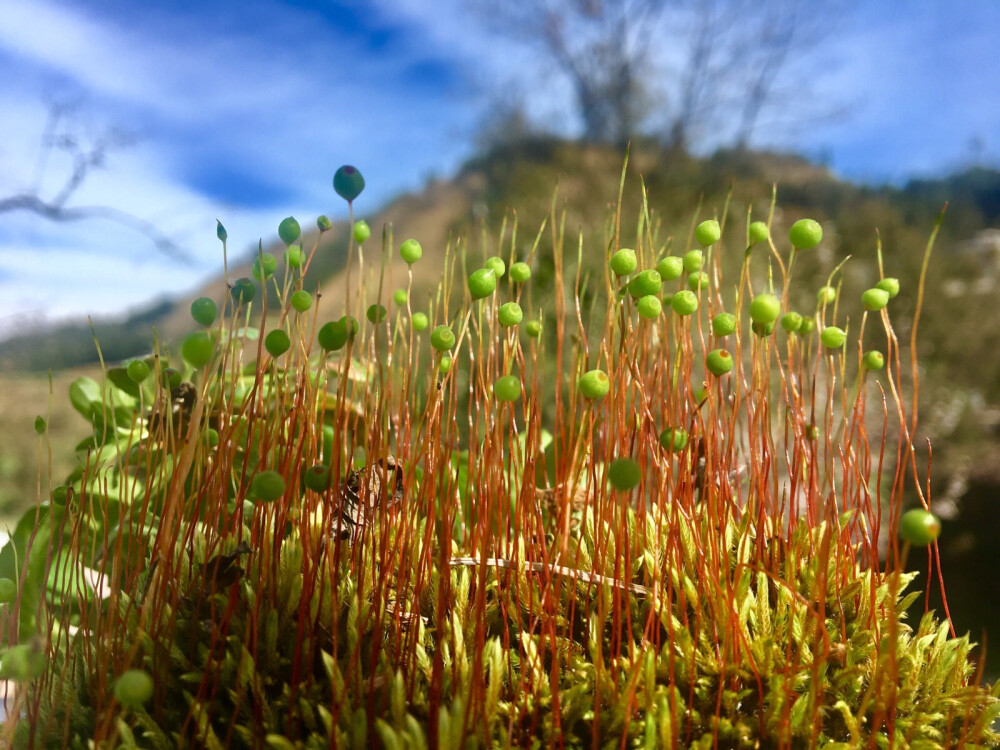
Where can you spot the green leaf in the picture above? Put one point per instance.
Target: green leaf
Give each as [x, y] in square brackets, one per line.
[86, 397]
[119, 379]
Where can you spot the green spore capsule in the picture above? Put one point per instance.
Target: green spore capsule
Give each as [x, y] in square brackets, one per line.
[674, 439]
[708, 232]
[496, 263]
[294, 256]
[874, 299]
[807, 326]
[758, 232]
[594, 384]
[509, 314]
[323, 223]
[419, 322]
[137, 371]
[348, 182]
[361, 232]
[8, 591]
[693, 260]
[919, 527]
[533, 329]
[204, 310]
[482, 283]
[649, 307]
[507, 388]
[520, 272]
[444, 366]
[268, 486]
[399, 298]
[697, 280]
[376, 313]
[826, 295]
[220, 231]
[134, 688]
[171, 378]
[198, 348]
[301, 300]
[723, 324]
[805, 234]
[685, 302]
[243, 291]
[833, 337]
[873, 360]
[442, 338]
[317, 478]
[624, 474]
[264, 266]
[890, 284]
[791, 322]
[670, 268]
[289, 230]
[762, 329]
[719, 362]
[765, 308]
[277, 343]
[623, 262]
[646, 283]
[334, 335]
[410, 251]
[41, 425]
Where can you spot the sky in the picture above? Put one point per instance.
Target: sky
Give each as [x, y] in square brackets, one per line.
[241, 110]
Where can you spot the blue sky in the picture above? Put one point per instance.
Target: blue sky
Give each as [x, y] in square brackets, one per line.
[242, 109]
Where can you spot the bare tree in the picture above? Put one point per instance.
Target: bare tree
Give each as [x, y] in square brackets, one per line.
[722, 67]
[85, 156]
[601, 47]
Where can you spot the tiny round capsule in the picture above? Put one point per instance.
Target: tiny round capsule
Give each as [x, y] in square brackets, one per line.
[203, 310]
[277, 342]
[134, 688]
[889, 284]
[874, 299]
[594, 384]
[444, 366]
[498, 266]
[268, 486]
[624, 474]
[243, 291]
[649, 306]
[826, 295]
[708, 232]
[333, 335]
[317, 477]
[623, 262]
[301, 300]
[362, 231]
[399, 298]
[919, 527]
[507, 388]
[791, 322]
[833, 337]
[670, 268]
[264, 266]
[758, 232]
[198, 348]
[674, 439]
[762, 329]
[294, 256]
[520, 272]
[874, 360]
[482, 283]
[693, 260]
[509, 314]
[685, 302]
[376, 313]
[765, 308]
[137, 371]
[723, 324]
[533, 328]
[442, 338]
[805, 234]
[645, 283]
[807, 325]
[348, 182]
[323, 223]
[697, 280]
[719, 362]
[410, 251]
[419, 321]
[289, 230]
